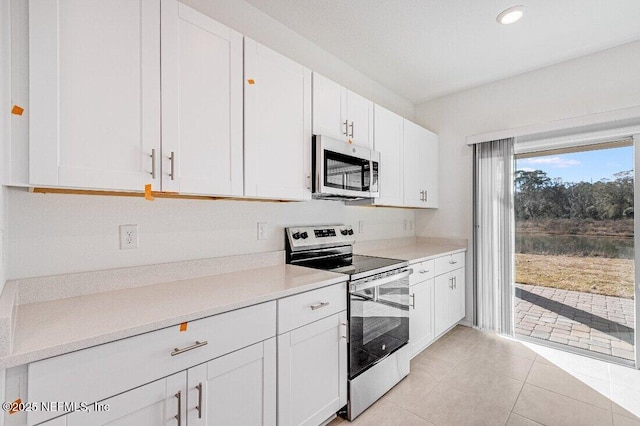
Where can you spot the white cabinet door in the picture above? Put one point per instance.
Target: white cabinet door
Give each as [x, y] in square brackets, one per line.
[329, 108]
[94, 82]
[360, 120]
[420, 166]
[201, 103]
[158, 403]
[421, 328]
[277, 144]
[458, 307]
[442, 308]
[312, 371]
[235, 389]
[431, 169]
[415, 153]
[387, 139]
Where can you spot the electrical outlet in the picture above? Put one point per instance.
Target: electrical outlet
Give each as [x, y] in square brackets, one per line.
[128, 237]
[262, 230]
[361, 227]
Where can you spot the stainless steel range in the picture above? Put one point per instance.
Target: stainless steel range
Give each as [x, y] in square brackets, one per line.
[378, 308]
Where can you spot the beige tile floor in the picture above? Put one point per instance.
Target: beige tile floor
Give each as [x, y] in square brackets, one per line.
[469, 377]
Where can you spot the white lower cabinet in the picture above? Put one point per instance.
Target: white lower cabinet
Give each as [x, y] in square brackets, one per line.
[236, 389]
[312, 356]
[161, 402]
[450, 297]
[421, 320]
[437, 297]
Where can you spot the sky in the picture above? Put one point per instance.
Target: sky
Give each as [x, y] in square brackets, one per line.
[588, 166]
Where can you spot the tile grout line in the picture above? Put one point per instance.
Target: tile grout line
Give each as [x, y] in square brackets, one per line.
[520, 393]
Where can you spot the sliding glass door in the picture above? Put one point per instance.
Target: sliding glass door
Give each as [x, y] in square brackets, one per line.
[574, 249]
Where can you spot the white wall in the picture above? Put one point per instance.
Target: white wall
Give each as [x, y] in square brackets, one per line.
[600, 82]
[254, 23]
[59, 233]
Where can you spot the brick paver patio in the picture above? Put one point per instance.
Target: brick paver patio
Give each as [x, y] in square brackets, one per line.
[595, 322]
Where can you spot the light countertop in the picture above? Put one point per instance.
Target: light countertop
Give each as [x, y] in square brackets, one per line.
[416, 252]
[51, 328]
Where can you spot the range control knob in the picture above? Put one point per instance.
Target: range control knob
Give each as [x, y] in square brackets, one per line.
[304, 235]
[345, 232]
[296, 235]
[350, 231]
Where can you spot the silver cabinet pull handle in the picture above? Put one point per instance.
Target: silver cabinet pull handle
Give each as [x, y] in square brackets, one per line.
[346, 128]
[413, 300]
[198, 344]
[153, 163]
[172, 158]
[421, 195]
[455, 282]
[319, 305]
[451, 283]
[452, 262]
[351, 125]
[425, 195]
[179, 415]
[199, 406]
[424, 271]
[346, 331]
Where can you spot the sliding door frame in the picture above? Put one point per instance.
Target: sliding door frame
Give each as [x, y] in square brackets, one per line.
[585, 140]
[636, 242]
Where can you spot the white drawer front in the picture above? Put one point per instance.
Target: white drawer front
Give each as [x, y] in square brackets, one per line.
[102, 371]
[301, 309]
[422, 271]
[449, 263]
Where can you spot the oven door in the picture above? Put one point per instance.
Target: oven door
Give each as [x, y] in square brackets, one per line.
[378, 320]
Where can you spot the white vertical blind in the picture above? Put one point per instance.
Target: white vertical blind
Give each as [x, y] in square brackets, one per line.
[494, 235]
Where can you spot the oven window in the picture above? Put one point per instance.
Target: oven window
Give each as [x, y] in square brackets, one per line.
[379, 324]
[345, 172]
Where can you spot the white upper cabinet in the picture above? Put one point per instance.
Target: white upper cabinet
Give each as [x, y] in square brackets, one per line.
[360, 119]
[388, 140]
[341, 113]
[277, 127]
[201, 103]
[420, 166]
[329, 108]
[94, 81]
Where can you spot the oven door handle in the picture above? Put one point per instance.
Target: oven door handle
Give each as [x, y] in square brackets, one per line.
[359, 285]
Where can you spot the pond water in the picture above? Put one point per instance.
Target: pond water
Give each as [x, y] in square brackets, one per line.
[574, 245]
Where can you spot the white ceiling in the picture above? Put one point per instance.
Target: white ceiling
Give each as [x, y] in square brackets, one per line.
[423, 49]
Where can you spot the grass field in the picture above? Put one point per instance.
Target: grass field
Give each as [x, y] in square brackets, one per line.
[612, 277]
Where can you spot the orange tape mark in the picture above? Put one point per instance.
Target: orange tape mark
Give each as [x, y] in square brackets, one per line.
[147, 192]
[16, 110]
[251, 81]
[183, 326]
[15, 404]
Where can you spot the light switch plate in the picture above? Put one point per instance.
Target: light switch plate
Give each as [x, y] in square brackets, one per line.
[262, 230]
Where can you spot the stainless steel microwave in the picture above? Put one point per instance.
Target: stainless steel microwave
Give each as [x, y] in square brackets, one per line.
[344, 171]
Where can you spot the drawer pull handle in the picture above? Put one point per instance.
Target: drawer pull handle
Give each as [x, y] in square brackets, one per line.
[178, 416]
[413, 300]
[424, 271]
[319, 305]
[452, 262]
[177, 351]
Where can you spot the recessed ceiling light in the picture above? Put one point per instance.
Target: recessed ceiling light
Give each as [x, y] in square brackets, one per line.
[511, 15]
